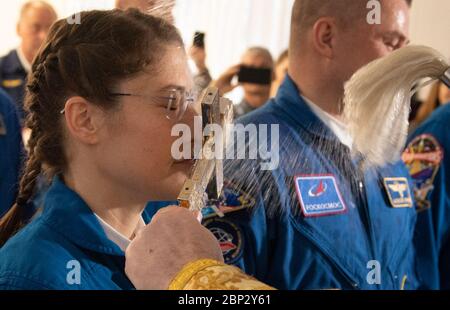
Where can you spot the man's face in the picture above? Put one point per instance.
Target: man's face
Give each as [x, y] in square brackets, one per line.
[33, 28]
[365, 43]
[256, 95]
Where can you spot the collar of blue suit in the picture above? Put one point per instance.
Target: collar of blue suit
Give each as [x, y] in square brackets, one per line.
[67, 214]
[294, 108]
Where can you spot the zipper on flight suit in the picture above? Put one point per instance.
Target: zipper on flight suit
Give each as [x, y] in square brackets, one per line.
[353, 171]
[365, 209]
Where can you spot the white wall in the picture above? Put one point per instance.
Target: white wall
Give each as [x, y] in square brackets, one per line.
[430, 24]
[234, 25]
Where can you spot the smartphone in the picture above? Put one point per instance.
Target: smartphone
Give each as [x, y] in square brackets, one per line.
[262, 76]
[199, 39]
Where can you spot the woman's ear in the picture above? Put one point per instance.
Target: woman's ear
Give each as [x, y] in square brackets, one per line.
[324, 32]
[83, 119]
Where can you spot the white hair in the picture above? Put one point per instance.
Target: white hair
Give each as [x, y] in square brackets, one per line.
[377, 101]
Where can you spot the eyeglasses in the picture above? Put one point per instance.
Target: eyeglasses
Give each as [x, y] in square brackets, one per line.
[175, 102]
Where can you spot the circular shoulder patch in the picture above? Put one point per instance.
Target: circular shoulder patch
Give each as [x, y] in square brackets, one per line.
[229, 236]
[423, 157]
[233, 199]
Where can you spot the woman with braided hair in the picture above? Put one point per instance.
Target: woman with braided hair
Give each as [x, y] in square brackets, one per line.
[102, 98]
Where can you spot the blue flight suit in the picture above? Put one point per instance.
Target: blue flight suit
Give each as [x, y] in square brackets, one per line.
[64, 248]
[13, 79]
[317, 221]
[427, 157]
[11, 152]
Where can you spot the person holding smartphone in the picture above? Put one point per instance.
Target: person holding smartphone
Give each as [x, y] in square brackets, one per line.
[255, 75]
[201, 76]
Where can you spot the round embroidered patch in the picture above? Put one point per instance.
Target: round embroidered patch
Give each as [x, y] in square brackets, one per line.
[423, 157]
[233, 199]
[229, 237]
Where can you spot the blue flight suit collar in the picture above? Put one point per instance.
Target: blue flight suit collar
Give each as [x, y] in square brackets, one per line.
[12, 65]
[289, 100]
[67, 213]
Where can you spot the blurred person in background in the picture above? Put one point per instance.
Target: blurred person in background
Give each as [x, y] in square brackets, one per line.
[255, 95]
[35, 20]
[197, 53]
[11, 151]
[427, 158]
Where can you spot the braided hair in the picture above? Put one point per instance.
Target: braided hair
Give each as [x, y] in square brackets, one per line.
[87, 59]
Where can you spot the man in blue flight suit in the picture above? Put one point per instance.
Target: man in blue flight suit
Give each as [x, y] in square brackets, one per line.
[427, 157]
[13, 76]
[322, 220]
[10, 152]
[36, 17]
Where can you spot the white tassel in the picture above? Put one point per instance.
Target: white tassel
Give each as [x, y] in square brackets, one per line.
[162, 9]
[377, 101]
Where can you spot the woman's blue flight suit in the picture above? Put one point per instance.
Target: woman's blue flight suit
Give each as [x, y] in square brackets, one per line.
[64, 248]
